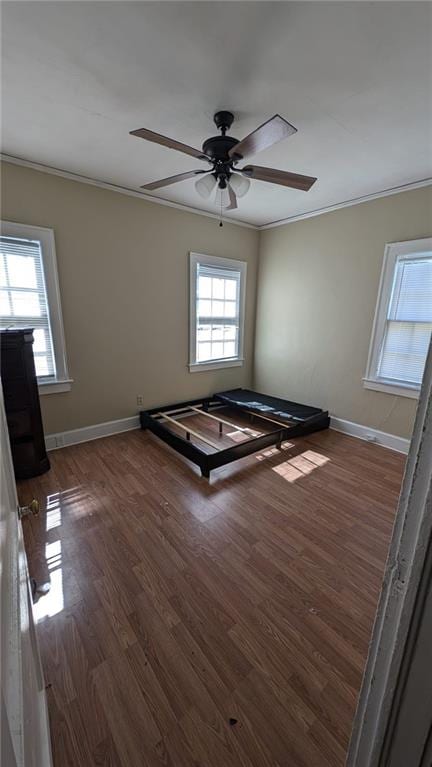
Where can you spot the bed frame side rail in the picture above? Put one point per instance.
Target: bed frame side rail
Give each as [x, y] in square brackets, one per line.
[276, 437]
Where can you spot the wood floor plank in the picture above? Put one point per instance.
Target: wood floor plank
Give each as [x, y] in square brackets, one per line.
[208, 624]
[132, 725]
[212, 743]
[105, 754]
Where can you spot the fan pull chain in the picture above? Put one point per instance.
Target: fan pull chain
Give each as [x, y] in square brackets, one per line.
[221, 222]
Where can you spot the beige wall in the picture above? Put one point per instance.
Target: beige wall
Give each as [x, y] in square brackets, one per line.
[123, 272]
[318, 283]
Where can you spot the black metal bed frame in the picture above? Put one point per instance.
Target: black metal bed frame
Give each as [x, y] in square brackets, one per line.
[153, 420]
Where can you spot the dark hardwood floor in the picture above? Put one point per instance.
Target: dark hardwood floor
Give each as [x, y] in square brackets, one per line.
[208, 625]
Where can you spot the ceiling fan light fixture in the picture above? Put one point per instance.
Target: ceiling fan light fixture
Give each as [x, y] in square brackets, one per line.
[240, 184]
[205, 185]
[222, 197]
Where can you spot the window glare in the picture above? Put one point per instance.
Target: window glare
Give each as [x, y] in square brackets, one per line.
[40, 342]
[204, 352]
[229, 349]
[3, 282]
[204, 308]
[218, 308]
[21, 271]
[25, 304]
[5, 308]
[218, 288]
[204, 287]
[41, 365]
[230, 309]
[230, 290]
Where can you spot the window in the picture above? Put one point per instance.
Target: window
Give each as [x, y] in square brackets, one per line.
[403, 319]
[29, 298]
[217, 289]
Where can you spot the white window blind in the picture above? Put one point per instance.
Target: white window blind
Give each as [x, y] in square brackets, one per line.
[218, 313]
[23, 298]
[408, 324]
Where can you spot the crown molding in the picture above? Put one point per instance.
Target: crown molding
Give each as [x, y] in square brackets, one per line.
[348, 203]
[117, 188]
[189, 209]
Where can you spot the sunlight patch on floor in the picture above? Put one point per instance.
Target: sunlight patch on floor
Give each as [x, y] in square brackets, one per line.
[300, 466]
[316, 458]
[70, 504]
[53, 602]
[274, 451]
[53, 511]
[242, 436]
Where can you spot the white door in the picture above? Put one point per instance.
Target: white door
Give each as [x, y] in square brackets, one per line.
[24, 722]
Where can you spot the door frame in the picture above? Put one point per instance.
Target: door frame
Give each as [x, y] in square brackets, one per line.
[24, 721]
[401, 608]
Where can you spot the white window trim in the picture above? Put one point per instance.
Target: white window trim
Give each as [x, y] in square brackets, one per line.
[45, 236]
[393, 251]
[241, 266]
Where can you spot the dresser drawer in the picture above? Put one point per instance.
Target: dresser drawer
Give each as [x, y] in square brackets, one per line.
[16, 394]
[15, 364]
[19, 423]
[28, 460]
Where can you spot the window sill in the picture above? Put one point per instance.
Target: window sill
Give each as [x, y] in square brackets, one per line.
[54, 387]
[196, 367]
[398, 389]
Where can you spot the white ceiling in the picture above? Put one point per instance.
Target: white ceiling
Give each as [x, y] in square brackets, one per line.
[355, 78]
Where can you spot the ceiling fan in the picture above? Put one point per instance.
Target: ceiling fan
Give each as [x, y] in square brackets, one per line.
[223, 153]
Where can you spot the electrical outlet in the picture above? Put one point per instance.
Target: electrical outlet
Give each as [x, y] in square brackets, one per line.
[139, 399]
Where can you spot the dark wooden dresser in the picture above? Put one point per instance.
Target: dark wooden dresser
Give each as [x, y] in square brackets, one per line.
[21, 398]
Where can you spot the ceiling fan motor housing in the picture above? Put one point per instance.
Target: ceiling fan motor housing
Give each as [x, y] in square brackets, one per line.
[218, 147]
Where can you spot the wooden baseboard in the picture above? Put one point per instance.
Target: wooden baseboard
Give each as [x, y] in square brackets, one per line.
[391, 441]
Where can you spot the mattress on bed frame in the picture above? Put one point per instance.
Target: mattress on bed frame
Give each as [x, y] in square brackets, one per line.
[274, 407]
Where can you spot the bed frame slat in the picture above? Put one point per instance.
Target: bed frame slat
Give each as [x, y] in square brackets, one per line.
[189, 431]
[222, 420]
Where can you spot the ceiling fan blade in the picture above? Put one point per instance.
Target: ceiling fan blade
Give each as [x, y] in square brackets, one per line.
[266, 135]
[233, 198]
[173, 179]
[157, 138]
[282, 177]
